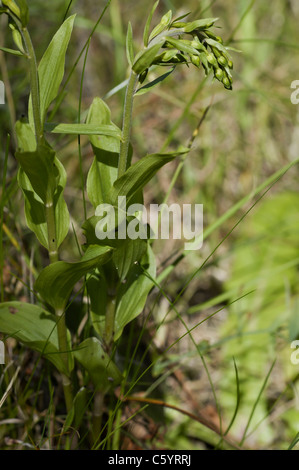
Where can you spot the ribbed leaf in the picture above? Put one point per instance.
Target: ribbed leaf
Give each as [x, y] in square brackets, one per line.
[55, 283]
[102, 370]
[51, 68]
[103, 171]
[33, 326]
[139, 174]
[132, 295]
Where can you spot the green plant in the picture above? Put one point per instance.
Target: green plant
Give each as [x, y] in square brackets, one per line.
[119, 273]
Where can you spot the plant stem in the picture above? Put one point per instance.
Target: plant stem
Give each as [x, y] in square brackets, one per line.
[49, 208]
[63, 348]
[109, 324]
[127, 124]
[97, 416]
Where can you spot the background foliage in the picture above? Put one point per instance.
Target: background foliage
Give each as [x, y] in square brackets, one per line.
[248, 286]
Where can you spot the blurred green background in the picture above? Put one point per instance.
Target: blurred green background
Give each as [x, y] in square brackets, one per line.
[248, 135]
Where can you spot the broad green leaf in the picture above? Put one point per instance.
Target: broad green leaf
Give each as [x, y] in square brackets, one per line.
[51, 68]
[35, 209]
[200, 24]
[34, 205]
[103, 171]
[145, 58]
[129, 252]
[129, 45]
[97, 291]
[148, 23]
[89, 229]
[146, 88]
[55, 283]
[83, 129]
[139, 174]
[33, 326]
[101, 369]
[40, 169]
[132, 295]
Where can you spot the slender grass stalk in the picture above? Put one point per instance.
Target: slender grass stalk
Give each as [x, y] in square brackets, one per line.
[127, 123]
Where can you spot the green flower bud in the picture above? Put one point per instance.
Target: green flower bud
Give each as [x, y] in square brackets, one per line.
[219, 74]
[213, 36]
[12, 7]
[222, 61]
[178, 24]
[230, 64]
[195, 60]
[227, 83]
[212, 59]
[197, 44]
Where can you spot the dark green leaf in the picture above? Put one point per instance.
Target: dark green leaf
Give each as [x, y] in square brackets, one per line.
[34, 205]
[35, 209]
[33, 326]
[55, 283]
[41, 171]
[132, 295]
[139, 174]
[51, 68]
[101, 369]
[97, 291]
[83, 129]
[145, 58]
[129, 252]
[146, 88]
[103, 171]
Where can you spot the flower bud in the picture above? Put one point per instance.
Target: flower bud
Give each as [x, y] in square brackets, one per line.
[12, 7]
[227, 83]
[195, 60]
[212, 60]
[222, 61]
[219, 74]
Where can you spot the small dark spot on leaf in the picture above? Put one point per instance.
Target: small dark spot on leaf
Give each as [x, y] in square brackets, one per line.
[103, 357]
[12, 310]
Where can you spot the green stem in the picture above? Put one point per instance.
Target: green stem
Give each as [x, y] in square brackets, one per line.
[49, 207]
[109, 324]
[97, 416]
[127, 124]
